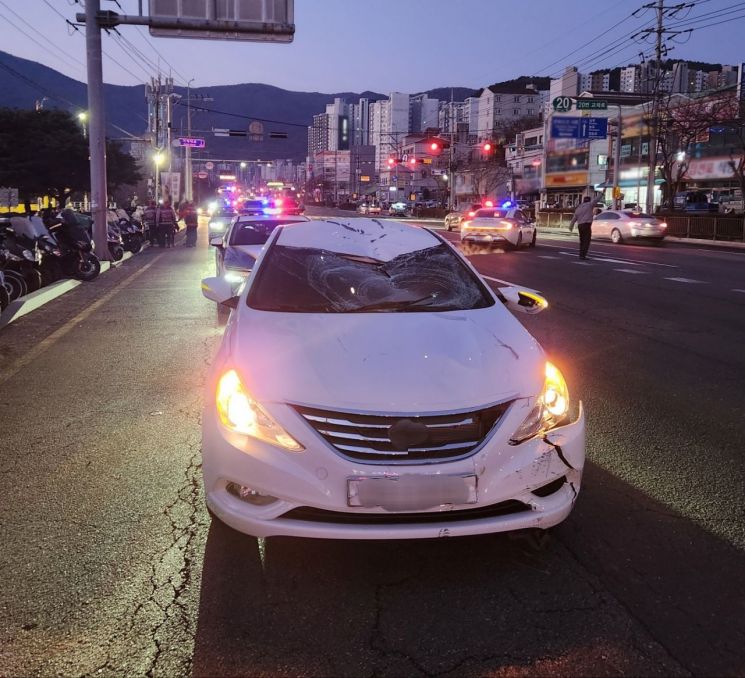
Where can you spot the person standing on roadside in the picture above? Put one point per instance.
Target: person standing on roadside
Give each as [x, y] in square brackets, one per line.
[166, 219]
[149, 219]
[189, 214]
[583, 217]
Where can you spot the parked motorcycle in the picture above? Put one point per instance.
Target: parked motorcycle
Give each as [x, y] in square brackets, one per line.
[76, 244]
[131, 230]
[20, 267]
[34, 235]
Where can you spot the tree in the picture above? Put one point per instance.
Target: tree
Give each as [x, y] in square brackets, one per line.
[683, 123]
[45, 153]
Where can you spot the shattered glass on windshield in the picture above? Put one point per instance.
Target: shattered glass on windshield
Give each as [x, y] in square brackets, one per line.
[311, 280]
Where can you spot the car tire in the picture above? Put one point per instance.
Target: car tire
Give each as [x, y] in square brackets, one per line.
[519, 242]
[616, 237]
[533, 239]
[223, 313]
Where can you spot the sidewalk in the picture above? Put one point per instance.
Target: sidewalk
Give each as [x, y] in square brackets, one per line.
[723, 244]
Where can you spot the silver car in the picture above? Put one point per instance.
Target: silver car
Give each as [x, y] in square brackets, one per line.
[625, 225]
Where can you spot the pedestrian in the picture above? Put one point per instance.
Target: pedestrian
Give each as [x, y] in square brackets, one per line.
[583, 217]
[166, 220]
[149, 219]
[189, 214]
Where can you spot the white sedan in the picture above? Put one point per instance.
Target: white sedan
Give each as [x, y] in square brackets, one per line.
[370, 385]
[623, 225]
[506, 226]
[239, 248]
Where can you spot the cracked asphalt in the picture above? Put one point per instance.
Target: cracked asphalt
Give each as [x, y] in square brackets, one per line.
[110, 565]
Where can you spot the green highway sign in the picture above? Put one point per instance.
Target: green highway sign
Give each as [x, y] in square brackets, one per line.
[562, 104]
[591, 104]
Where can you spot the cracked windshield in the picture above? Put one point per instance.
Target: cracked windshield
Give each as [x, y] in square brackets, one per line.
[372, 338]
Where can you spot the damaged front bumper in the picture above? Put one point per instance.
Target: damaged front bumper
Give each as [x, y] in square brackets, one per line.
[261, 491]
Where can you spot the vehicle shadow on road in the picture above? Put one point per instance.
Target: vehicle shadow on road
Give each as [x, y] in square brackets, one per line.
[625, 586]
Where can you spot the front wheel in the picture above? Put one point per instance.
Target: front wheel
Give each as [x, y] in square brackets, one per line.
[116, 251]
[4, 297]
[616, 237]
[33, 279]
[519, 242]
[134, 244]
[15, 284]
[88, 268]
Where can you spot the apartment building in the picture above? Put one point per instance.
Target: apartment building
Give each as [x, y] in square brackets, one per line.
[499, 107]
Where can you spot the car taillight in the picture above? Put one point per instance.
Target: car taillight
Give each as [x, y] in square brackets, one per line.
[472, 214]
[663, 225]
[505, 224]
[466, 224]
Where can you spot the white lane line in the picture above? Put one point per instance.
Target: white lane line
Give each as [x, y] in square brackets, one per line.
[638, 262]
[743, 291]
[629, 270]
[582, 263]
[687, 280]
[547, 256]
[60, 332]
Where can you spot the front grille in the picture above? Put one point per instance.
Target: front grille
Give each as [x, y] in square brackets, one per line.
[392, 439]
[315, 515]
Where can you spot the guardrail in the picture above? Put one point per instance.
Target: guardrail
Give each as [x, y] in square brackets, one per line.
[721, 228]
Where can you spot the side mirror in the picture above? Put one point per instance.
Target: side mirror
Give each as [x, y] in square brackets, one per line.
[219, 290]
[522, 301]
[216, 241]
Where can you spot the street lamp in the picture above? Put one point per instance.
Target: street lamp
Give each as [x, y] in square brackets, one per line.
[83, 117]
[157, 160]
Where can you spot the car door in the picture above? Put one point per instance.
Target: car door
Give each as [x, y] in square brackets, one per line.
[526, 228]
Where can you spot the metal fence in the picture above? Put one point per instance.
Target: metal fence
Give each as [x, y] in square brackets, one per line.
[711, 227]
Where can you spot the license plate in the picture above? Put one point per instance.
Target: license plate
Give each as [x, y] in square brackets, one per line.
[411, 492]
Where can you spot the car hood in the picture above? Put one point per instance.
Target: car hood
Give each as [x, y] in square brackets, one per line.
[386, 362]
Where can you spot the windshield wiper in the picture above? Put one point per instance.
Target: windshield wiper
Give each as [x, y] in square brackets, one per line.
[399, 305]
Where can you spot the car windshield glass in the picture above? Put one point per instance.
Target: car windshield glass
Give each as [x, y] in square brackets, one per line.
[493, 214]
[310, 280]
[255, 232]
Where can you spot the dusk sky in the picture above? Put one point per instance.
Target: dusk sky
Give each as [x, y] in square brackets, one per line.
[387, 45]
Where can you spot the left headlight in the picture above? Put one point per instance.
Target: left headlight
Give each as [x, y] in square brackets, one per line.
[550, 410]
[217, 226]
[239, 412]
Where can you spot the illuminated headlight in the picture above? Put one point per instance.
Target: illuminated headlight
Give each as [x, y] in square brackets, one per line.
[550, 410]
[212, 207]
[465, 225]
[240, 413]
[217, 226]
[662, 225]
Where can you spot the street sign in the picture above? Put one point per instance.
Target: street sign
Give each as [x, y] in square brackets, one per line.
[209, 165]
[202, 175]
[591, 105]
[191, 142]
[579, 128]
[364, 177]
[562, 104]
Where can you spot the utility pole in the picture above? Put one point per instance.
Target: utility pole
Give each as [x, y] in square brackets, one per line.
[659, 31]
[97, 129]
[188, 178]
[451, 178]
[617, 161]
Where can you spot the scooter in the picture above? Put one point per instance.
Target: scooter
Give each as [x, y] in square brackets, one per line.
[33, 234]
[131, 231]
[20, 267]
[76, 245]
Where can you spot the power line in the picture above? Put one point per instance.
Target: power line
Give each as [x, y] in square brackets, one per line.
[155, 49]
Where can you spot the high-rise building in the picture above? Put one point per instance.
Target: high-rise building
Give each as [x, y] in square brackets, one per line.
[423, 113]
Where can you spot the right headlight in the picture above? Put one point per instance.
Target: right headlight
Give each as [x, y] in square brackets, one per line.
[550, 410]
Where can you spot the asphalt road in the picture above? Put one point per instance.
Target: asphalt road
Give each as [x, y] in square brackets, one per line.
[110, 565]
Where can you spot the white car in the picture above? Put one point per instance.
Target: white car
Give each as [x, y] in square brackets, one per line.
[507, 226]
[621, 225]
[239, 248]
[370, 385]
[219, 223]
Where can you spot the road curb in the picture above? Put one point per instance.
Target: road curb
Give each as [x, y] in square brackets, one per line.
[30, 302]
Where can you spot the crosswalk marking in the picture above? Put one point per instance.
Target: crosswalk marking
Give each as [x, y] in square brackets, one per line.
[685, 280]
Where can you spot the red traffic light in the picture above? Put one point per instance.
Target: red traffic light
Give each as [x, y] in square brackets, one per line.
[434, 146]
[391, 161]
[412, 161]
[486, 147]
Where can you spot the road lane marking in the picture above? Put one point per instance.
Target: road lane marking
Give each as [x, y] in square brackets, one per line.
[582, 263]
[743, 291]
[60, 332]
[547, 256]
[687, 280]
[629, 270]
[638, 262]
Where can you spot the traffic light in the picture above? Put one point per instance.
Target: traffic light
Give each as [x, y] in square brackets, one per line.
[487, 147]
[412, 161]
[391, 162]
[434, 147]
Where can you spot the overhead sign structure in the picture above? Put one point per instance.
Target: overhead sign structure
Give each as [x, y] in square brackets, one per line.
[235, 20]
[191, 142]
[579, 128]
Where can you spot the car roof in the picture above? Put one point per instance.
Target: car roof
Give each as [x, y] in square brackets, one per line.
[375, 238]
